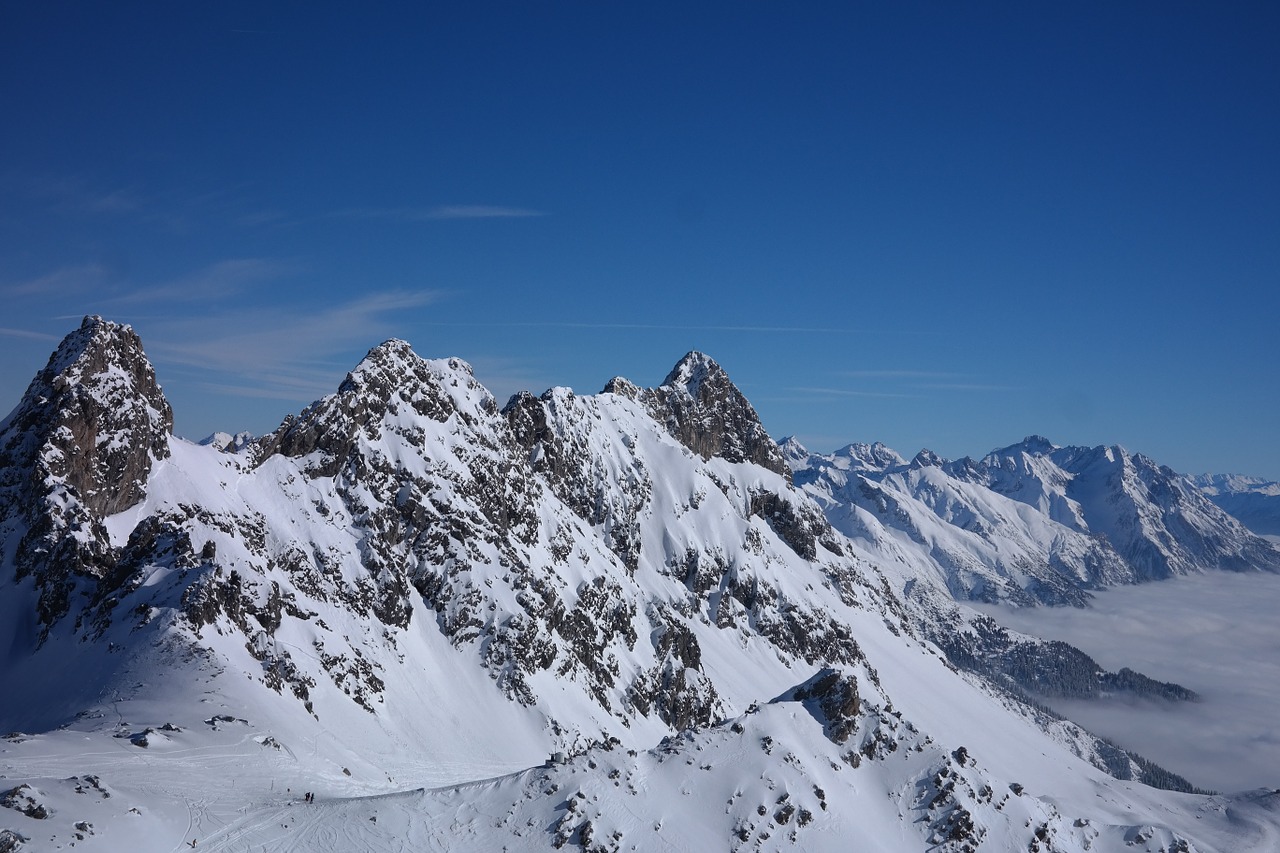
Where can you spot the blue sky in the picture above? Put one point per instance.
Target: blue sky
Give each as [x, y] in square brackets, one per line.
[943, 225]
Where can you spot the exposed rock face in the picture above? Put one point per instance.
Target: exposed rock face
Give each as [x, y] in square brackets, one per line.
[390, 380]
[702, 408]
[26, 800]
[833, 696]
[560, 432]
[79, 447]
[800, 525]
[367, 438]
[93, 419]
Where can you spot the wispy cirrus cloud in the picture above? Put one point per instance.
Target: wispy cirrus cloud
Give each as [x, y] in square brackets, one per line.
[927, 380]
[846, 392]
[76, 278]
[71, 194]
[289, 352]
[448, 211]
[965, 386]
[114, 201]
[289, 345]
[661, 327]
[260, 218]
[216, 281]
[27, 333]
[899, 374]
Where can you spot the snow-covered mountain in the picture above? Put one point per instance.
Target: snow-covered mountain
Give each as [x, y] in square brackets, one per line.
[406, 597]
[1028, 523]
[1253, 501]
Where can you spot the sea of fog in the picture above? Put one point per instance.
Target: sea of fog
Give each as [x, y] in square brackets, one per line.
[1218, 634]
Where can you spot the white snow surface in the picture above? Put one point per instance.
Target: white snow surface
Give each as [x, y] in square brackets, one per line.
[1029, 523]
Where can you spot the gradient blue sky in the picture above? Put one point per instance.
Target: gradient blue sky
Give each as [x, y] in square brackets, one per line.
[945, 225]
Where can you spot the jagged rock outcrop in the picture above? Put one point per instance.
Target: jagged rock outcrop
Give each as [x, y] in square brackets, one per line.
[414, 505]
[597, 474]
[79, 447]
[800, 525]
[702, 408]
[832, 697]
[389, 381]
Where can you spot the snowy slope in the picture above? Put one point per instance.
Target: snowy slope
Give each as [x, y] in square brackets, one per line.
[407, 590]
[1253, 501]
[1031, 522]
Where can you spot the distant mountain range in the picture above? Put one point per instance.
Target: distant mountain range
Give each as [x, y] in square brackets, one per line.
[1033, 522]
[1255, 502]
[619, 621]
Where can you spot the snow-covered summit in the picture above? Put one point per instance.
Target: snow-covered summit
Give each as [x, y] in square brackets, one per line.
[1034, 444]
[793, 452]
[693, 370]
[1032, 521]
[870, 457]
[1226, 484]
[926, 458]
[390, 382]
[228, 443]
[1254, 501]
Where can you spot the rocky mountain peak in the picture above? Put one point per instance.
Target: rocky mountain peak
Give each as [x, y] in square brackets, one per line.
[693, 370]
[388, 361]
[1038, 445]
[623, 387]
[79, 447]
[703, 410]
[92, 420]
[389, 381]
[926, 458]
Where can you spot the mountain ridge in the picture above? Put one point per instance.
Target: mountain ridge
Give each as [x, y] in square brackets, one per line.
[1099, 516]
[406, 584]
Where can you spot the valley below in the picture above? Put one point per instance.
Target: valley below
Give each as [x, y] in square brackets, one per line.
[1216, 634]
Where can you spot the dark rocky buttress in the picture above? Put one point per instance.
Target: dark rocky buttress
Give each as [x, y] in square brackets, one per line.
[79, 447]
[701, 407]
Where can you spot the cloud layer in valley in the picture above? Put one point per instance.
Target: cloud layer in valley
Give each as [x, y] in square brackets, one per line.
[1215, 633]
